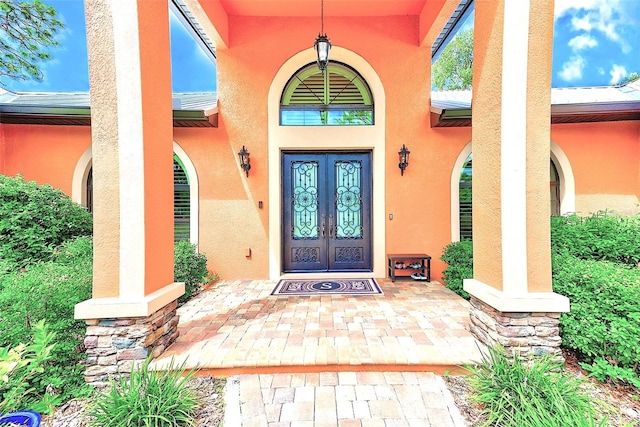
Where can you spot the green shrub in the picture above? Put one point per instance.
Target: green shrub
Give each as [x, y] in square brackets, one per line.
[604, 321]
[459, 256]
[20, 366]
[593, 260]
[602, 236]
[147, 398]
[48, 291]
[34, 219]
[189, 267]
[604, 371]
[520, 393]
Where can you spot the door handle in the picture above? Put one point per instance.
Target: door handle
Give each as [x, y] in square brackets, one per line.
[331, 226]
[322, 226]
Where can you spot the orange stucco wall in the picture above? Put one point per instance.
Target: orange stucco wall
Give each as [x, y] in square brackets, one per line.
[230, 222]
[420, 200]
[604, 157]
[45, 154]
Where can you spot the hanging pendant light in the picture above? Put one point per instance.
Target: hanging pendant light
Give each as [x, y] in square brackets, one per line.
[322, 44]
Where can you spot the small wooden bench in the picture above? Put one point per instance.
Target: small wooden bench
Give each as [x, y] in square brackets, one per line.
[423, 259]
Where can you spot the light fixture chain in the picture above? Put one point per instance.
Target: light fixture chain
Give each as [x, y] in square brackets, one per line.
[322, 16]
[322, 44]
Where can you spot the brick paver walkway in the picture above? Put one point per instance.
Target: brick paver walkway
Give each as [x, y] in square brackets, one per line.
[344, 399]
[238, 324]
[328, 360]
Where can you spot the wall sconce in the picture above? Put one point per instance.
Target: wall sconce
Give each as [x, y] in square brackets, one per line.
[403, 156]
[245, 161]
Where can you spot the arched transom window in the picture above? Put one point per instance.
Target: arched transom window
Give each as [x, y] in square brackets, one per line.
[339, 97]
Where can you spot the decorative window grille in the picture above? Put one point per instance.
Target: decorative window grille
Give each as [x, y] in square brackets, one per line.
[339, 97]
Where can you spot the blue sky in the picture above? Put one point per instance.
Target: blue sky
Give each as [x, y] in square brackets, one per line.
[596, 43]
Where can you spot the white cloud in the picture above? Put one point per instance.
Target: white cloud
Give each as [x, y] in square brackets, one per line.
[597, 16]
[582, 42]
[572, 7]
[572, 69]
[618, 73]
[568, 6]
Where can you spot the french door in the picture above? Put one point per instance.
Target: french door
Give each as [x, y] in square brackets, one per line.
[326, 211]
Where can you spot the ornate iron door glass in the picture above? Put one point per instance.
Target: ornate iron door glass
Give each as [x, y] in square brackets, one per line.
[348, 200]
[327, 212]
[305, 200]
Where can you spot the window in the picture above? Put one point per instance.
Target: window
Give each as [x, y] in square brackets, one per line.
[465, 196]
[89, 190]
[554, 184]
[181, 200]
[339, 97]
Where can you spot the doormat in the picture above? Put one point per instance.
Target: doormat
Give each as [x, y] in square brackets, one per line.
[327, 287]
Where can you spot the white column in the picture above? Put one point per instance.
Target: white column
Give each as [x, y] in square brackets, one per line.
[511, 148]
[132, 146]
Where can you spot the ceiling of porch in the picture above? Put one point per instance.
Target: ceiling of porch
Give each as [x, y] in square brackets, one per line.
[310, 8]
[211, 17]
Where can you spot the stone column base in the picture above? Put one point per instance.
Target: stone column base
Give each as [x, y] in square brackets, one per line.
[116, 346]
[526, 333]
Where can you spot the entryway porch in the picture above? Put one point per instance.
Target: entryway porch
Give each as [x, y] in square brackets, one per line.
[238, 327]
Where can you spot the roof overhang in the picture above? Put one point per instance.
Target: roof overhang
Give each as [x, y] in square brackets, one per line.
[81, 116]
[595, 112]
[39, 115]
[193, 19]
[195, 118]
[441, 116]
[450, 117]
